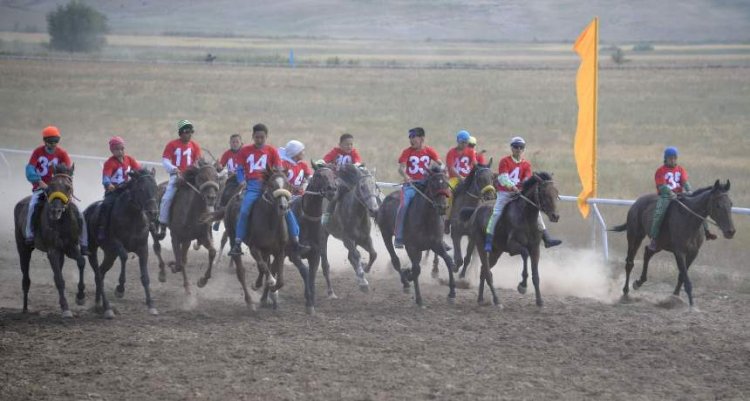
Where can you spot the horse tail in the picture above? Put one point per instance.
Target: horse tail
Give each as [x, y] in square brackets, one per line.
[620, 228]
[466, 213]
[210, 217]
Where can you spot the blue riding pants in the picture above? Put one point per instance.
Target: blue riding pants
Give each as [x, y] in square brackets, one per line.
[253, 191]
[407, 194]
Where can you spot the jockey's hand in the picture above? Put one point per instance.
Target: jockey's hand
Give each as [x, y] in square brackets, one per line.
[42, 185]
[515, 190]
[110, 188]
[672, 195]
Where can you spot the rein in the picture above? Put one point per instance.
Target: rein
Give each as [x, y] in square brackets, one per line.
[691, 211]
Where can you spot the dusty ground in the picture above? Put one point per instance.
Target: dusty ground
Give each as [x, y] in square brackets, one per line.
[374, 346]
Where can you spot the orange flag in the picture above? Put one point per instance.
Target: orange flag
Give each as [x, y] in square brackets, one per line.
[586, 88]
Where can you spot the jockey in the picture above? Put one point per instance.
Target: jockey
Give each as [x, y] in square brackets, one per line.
[345, 153]
[412, 165]
[513, 170]
[114, 174]
[480, 155]
[460, 159]
[227, 165]
[178, 155]
[254, 161]
[39, 173]
[298, 172]
[671, 179]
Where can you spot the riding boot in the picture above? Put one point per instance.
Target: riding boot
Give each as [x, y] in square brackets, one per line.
[488, 242]
[84, 250]
[398, 243]
[298, 247]
[549, 241]
[162, 231]
[236, 248]
[447, 227]
[709, 235]
[653, 246]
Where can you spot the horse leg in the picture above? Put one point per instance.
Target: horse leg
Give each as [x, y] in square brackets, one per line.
[371, 253]
[123, 255]
[81, 295]
[416, 258]
[24, 254]
[94, 263]
[467, 259]
[206, 242]
[435, 263]
[56, 260]
[142, 253]
[395, 262]
[181, 263]
[277, 266]
[224, 239]
[535, 274]
[109, 259]
[325, 265]
[647, 254]
[304, 272]
[457, 254]
[522, 286]
[689, 258]
[241, 278]
[157, 251]
[633, 244]
[484, 269]
[355, 258]
[439, 249]
[683, 268]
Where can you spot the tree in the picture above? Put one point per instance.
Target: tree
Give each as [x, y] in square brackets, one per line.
[77, 27]
[618, 56]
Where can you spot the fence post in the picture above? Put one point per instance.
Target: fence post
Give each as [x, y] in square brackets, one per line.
[7, 164]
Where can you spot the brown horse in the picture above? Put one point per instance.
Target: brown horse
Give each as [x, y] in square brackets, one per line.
[350, 222]
[517, 231]
[134, 213]
[57, 227]
[196, 195]
[682, 230]
[423, 230]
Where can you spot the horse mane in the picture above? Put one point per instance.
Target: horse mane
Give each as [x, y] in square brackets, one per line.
[538, 176]
[63, 169]
[349, 173]
[700, 191]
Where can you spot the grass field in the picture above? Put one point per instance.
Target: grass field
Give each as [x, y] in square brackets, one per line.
[703, 112]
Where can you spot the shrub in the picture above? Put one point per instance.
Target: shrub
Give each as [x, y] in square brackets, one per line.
[643, 47]
[76, 27]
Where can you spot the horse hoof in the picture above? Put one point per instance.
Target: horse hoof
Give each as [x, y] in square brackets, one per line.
[539, 303]
[119, 293]
[162, 277]
[625, 299]
[462, 275]
[521, 289]
[109, 314]
[407, 289]
[310, 310]
[451, 300]
[694, 309]
[364, 288]
[67, 314]
[153, 312]
[253, 307]
[196, 246]
[271, 282]
[202, 282]
[636, 284]
[332, 295]
[161, 265]
[81, 301]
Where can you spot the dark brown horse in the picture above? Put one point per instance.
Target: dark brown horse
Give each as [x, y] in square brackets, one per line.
[196, 195]
[423, 230]
[309, 209]
[57, 228]
[134, 213]
[350, 221]
[681, 233]
[516, 233]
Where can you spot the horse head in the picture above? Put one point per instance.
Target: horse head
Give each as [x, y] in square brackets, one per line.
[483, 181]
[59, 190]
[437, 189]
[720, 208]
[323, 181]
[541, 189]
[277, 191]
[359, 180]
[206, 180]
[142, 188]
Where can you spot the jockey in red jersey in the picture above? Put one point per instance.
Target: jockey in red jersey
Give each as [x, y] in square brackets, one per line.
[513, 170]
[298, 172]
[39, 172]
[480, 155]
[345, 153]
[413, 163]
[671, 179]
[227, 166]
[114, 174]
[178, 155]
[460, 159]
[254, 161]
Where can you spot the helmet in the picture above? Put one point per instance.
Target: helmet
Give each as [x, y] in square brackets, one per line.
[50, 132]
[183, 124]
[670, 151]
[114, 141]
[517, 140]
[472, 141]
[463, 136]
[293, 148]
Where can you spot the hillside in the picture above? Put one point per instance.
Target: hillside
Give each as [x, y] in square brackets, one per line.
[512, 20]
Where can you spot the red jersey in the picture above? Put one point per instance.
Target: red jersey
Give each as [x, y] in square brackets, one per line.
[418, 161]
[673, 177]
[296, 173]
[517, 172]
[116, 173]
[43, 162]
[460, 160]
[182, 155]
[230, 159]
[481, 159]
[255, 161]
[336, 155]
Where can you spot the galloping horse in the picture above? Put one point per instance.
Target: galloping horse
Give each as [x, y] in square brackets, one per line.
[133, 215]
[517, 231]
[196, 195]
[423, 230]
[57, 228]
[350, 221]
[682, 232]
[309, 209]
[267, 236]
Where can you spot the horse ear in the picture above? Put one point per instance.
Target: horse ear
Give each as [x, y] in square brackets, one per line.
[313, 164]
[72, 169]
[132, 173]
[153, 171]
[717, 185]
[490, 163]
[726, 187]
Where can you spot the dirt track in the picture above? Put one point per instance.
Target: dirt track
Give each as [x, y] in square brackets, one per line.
[374, 346]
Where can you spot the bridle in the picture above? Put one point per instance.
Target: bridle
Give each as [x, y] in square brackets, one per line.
[475, 186]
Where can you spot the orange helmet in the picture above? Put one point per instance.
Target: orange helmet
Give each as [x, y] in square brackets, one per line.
[50, 132]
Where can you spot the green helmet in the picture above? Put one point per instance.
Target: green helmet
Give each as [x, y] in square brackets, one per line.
[182, 124]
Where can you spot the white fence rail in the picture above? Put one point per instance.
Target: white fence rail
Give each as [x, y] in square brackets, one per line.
[597, 223]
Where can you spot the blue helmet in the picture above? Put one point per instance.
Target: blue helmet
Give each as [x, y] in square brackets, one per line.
[463, 136]
[670, 151]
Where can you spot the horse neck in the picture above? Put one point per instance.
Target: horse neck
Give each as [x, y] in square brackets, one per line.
[427, 211]
[530, 212]
[312, 204]
[699, 205]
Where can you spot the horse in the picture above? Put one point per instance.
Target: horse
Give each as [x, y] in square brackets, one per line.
[267, 236]
[196, 195]
[517, 232]
[350, 222]
[57, 227]
[134, 213]
[423, 230]
[309, 209]
[682, 230]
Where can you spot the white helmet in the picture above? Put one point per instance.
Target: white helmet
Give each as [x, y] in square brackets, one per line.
[293, 148]
[517, 140]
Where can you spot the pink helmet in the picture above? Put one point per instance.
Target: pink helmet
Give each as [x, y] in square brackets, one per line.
[116, 140]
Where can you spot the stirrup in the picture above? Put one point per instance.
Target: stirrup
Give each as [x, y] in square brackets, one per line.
[398, 243]
[652, 246]
[236, 250]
